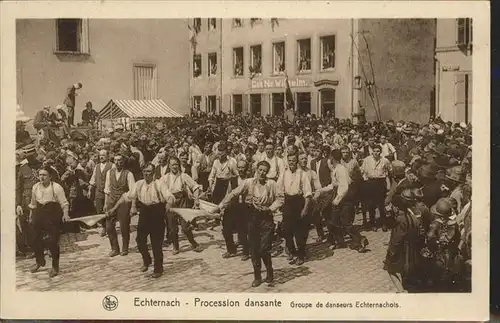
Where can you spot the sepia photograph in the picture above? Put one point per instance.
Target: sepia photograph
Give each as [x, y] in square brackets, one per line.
[243, 155]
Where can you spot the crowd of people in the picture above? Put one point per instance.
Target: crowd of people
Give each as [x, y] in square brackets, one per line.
[272, 181]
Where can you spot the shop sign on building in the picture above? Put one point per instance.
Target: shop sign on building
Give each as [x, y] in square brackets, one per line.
[279, 83]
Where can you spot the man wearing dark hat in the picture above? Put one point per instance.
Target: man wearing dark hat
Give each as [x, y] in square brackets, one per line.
[433, 189]
[26, 177]
[23, 137]
[441, 249]
[74, 180]
[403, 258]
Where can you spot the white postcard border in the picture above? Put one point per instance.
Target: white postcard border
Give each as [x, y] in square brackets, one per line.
[86, 305]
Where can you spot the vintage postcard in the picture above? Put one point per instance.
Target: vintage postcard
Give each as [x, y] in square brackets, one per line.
[258, 160]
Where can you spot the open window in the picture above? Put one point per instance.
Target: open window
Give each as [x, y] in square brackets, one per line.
[197, 24]
[256, 59]
[196, 65]
[304, 55]
[327, 52]
[279, 58]
[212, 64]
[238, 61]
[72, 36]
[212, 24]
[237, 22]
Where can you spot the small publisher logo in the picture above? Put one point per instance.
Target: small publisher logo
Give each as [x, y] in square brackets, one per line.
[110, 303]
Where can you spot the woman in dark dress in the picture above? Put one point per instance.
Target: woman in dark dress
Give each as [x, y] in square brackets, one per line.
[403, 252]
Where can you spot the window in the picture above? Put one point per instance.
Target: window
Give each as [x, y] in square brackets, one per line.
[279, 57]
[304, 103]
[196, 65]
[197, 102]
[255, 104]
[237, 22]
[197, 25]
[327, 52]
[464, 31]
[212, 64]
[237, 103]
[463, 97]
[327, 97]
[238, 61]
[256, 59]
[72, 36]
[278, 101]
[145, 82]
[254, 21]
[304, 55]
[211, 104]
[212, 23]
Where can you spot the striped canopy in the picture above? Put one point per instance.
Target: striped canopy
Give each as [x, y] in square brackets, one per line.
[137, 109]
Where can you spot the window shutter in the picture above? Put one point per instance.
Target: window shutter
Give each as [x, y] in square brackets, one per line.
[460, 96]
[460, 89]
[469, 31]
[461, 31]
[469, 98]
[84, 37]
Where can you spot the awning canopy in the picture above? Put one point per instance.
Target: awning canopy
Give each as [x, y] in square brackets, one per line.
[137, 109]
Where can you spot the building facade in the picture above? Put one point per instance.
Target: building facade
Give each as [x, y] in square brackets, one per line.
[112, 58]
[316, 56]
[454, 69]
[397, 55]
[205, 65]
[329, 64]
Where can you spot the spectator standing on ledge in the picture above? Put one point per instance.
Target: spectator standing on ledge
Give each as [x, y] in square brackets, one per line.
[69, 101]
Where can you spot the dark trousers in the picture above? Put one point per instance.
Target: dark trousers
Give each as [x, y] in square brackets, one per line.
[99, 206]
[122, 215]
[236, 220]
[47, 219]
[173, 221]
[376, 190]
[260, 235]
[203, 180]
[152, 224]
[296, 228]
[317, 219]
[24, 233]
[71, 115]
[341, 221]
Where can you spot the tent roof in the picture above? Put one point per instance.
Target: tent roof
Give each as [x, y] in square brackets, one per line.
[137, 109]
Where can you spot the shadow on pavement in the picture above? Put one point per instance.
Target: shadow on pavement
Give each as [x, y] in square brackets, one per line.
[284, 275]
[69, 242]
[183, 265]
[318, 251]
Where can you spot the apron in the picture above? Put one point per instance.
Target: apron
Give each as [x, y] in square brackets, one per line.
[221, 187]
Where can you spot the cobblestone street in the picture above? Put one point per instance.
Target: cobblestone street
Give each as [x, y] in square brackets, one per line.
[85, 266]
